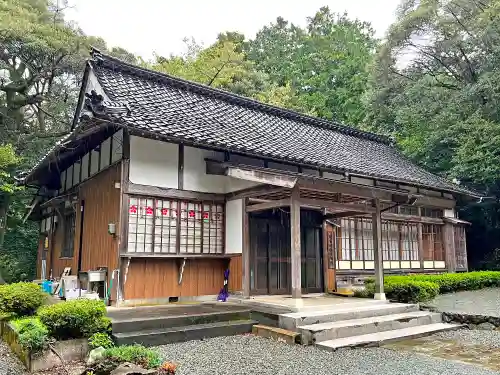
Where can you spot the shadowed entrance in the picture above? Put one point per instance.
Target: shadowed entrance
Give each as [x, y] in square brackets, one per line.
[271, 252]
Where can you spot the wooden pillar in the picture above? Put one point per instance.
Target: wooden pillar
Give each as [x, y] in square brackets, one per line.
[295, 244]
[377, 253]
[246, 250]
[420, 233]
[449, 247]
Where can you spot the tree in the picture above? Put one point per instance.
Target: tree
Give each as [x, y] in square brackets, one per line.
[435, 87]
[225, 65]
[325, 64]
[42, 59]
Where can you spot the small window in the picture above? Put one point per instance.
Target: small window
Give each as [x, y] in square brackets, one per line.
[69, 235]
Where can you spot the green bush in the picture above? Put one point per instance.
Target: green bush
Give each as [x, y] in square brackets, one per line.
[422, 287]
[411, 290]
[453, 282]
[21, 299]
[100, 339]
[75, 319]
[137, 354]
[32, 333]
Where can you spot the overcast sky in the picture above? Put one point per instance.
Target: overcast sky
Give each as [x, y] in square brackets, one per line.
[147, 26]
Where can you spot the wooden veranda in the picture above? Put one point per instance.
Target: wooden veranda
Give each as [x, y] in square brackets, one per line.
[335, 199]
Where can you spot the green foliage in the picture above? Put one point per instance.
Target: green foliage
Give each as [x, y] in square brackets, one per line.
[33, 335]
[41, 62]
[434, 87]
[21, 298]
[453, 282]
[418, 288]
[325, 63]
[19, 253]
[137, 354]
[403, 290]
[75, 319]
[8, 159]
[100, 339]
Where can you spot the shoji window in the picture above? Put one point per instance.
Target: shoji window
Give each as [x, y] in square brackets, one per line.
[460, 247]
[175, 226]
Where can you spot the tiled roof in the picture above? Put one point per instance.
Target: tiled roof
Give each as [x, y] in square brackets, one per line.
[184, 111]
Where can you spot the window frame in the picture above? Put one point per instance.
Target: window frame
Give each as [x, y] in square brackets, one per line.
[180, 227]
[69, 232]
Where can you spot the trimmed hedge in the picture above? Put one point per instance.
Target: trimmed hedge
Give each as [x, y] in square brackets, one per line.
[75, 319]
[403, 290]
[421, 287]
[21, 299]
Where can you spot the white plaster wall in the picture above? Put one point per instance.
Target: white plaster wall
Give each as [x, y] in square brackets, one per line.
[76, 173]
[117, 151]
[195, 177]
[69, 177]
[85, 167]
[361, 181]
[449, 213]
[154, 163]
[234, 226]
[234, 184]
[94, 162]
[105, 153]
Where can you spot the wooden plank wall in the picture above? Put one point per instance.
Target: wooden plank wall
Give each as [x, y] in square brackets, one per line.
[102, 206]
[41, 241]
[58, 264]
[235, 274]
[158, 278]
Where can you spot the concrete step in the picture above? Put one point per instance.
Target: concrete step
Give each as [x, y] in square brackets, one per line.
[293, 320]
[185, 333]
[380, 338]
[355, 327]
[134, 324]
[347, 303]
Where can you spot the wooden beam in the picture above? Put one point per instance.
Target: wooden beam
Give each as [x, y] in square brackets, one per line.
[180, 167]
[411, 218]
[296, 258]
[351, 189]
[262, 177]
[377, 251]
[253, 192]
[435, 202]
[338, 215]
[246, 251]
[360, 208]
[268, 205]
[155, 191]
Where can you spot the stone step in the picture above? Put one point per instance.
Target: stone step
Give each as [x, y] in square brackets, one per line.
[355, 327]
[292, 321]
[380, 338]
[134, 324]
[179, 334]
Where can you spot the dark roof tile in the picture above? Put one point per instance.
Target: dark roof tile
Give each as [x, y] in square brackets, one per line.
[189, 111]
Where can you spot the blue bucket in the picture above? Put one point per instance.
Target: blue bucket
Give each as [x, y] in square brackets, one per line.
[47, 286]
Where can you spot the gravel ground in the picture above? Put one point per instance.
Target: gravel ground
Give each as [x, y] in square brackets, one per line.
[255, 355]
[476, 302]
[9, 364]
[488, 339]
